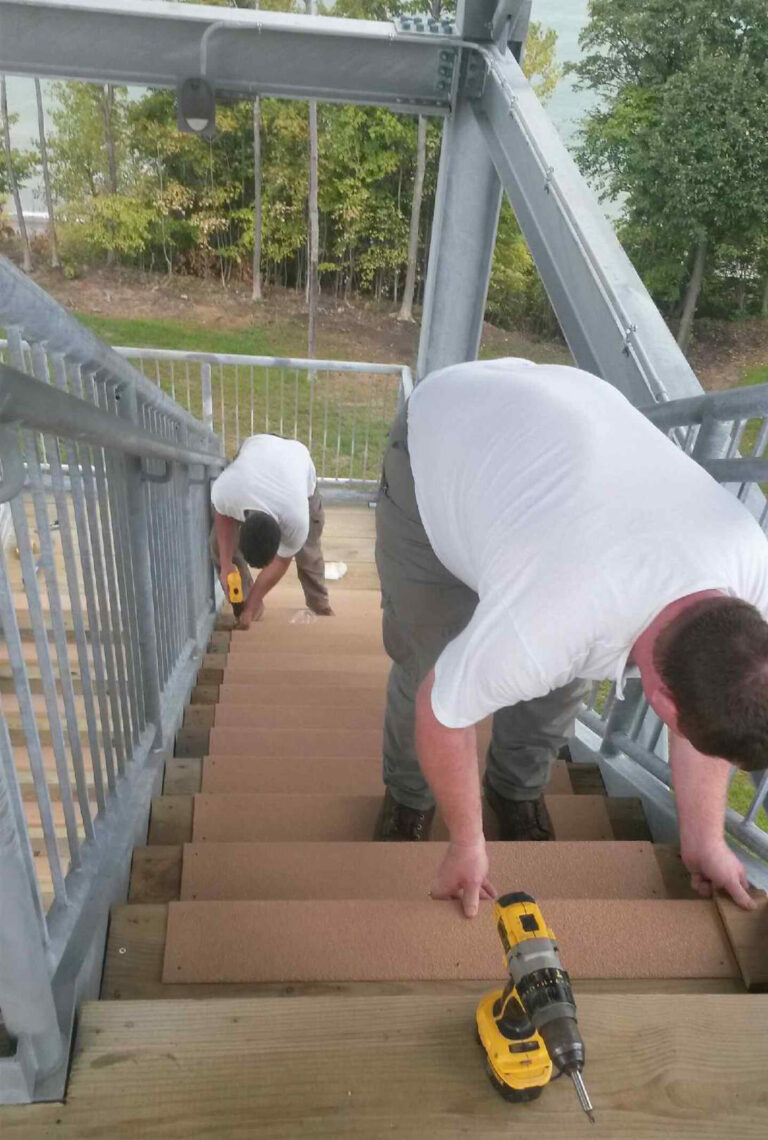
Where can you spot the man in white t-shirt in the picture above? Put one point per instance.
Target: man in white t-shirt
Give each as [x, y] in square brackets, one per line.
[534, 531]
[267, 511]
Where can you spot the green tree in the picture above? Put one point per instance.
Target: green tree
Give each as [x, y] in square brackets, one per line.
[16, 169]
[681, 135]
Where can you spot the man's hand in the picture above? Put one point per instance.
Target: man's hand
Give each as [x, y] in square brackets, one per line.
[715, 867]
[463, 874]
[250, 614]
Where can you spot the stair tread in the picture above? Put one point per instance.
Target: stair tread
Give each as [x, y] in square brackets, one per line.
[362, 940]
[405, 1065]
[232, 871]
[230, 817]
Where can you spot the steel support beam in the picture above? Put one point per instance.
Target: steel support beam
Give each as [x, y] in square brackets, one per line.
[461, 251]
[241, 53]
[610, 322]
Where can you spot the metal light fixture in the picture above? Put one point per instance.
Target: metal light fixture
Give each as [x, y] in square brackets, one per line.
[196, 108]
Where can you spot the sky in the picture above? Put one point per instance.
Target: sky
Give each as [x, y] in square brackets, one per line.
[566, 107]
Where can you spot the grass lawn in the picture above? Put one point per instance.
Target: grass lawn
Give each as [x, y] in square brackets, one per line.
[343, 418]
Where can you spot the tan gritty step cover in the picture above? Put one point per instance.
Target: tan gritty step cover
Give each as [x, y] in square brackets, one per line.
[383, 940]
[239, 817]
[214, 871]
[343, 689]
[304, 685]
[323, 663]
[347, 717]
[339, 775]
[298, 639]
[285, 743]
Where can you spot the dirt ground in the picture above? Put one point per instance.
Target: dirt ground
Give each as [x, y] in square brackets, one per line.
[722, 354]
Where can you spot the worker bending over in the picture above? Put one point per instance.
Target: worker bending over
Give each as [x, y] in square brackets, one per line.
[534, 531]
[267, 510]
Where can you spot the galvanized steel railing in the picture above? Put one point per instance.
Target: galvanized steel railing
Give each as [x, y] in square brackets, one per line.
[340, 410]
[106, 604]
[727, 432]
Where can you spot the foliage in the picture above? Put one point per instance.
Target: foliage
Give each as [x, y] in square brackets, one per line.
[680, 138]
[185, 204]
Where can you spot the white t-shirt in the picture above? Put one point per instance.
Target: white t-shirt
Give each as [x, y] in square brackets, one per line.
[273, 475]
[574, 519]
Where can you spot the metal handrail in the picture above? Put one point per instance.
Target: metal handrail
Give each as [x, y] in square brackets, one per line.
[119, 599]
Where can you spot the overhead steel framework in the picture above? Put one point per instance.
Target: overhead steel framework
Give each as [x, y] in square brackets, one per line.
[496, 136]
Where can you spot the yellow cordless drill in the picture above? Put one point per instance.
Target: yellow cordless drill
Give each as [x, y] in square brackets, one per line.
[235, 584]
[530, 1025]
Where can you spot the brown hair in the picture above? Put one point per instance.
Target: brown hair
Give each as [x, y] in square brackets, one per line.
[714, 661]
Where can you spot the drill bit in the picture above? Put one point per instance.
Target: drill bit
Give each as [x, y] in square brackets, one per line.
[583, 1095]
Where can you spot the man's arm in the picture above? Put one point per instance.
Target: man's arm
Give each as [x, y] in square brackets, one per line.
[448, 759]
[227, 531]
[267, 579]
[701, 790]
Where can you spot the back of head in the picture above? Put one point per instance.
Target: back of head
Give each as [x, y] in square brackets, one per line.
[259, 539]
[715, 666]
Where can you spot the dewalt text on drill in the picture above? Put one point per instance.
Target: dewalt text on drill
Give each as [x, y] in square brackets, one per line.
[530, 1026]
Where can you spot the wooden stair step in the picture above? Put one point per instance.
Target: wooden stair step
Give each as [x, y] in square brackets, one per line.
[342, 692]
[325, 664]
[348, 717]
[252, 646]
[285, 743]
[361, 940]
[216, 871]
[337, 775]
[337, 818]
[400, 1065]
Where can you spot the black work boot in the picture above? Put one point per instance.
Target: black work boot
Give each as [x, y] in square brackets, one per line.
[520, 819]
[398, 823]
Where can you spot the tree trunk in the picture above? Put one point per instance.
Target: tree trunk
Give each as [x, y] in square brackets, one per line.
[692, 295]
[314, 227]
[764, 306]
[14, 187]
[109, 143]
[406, 309]
[55, 263]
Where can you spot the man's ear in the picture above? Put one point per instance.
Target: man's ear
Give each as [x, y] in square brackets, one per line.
[663, 704]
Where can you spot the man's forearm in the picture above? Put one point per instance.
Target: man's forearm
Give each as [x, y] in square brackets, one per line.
[448, 760]
[701, 791]
[227, 530]
[267, 579]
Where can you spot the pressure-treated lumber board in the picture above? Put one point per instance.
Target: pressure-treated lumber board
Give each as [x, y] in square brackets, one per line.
[215, 871]
[400, 1066]
[155, 874]
[748, 933]
[133, 969]
[284, 743]
[382, 940]
[183, 776]
[170, 820]
[338, 775]
[232, 817]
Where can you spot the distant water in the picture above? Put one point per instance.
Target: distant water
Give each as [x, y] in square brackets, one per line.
[566, 107]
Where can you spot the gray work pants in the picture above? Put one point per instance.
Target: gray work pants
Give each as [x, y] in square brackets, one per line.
[424, 607]
[310, 564]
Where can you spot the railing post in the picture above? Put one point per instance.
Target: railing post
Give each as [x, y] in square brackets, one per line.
[26, 995]
[138, 524]
[623, 716]
[712, 439]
